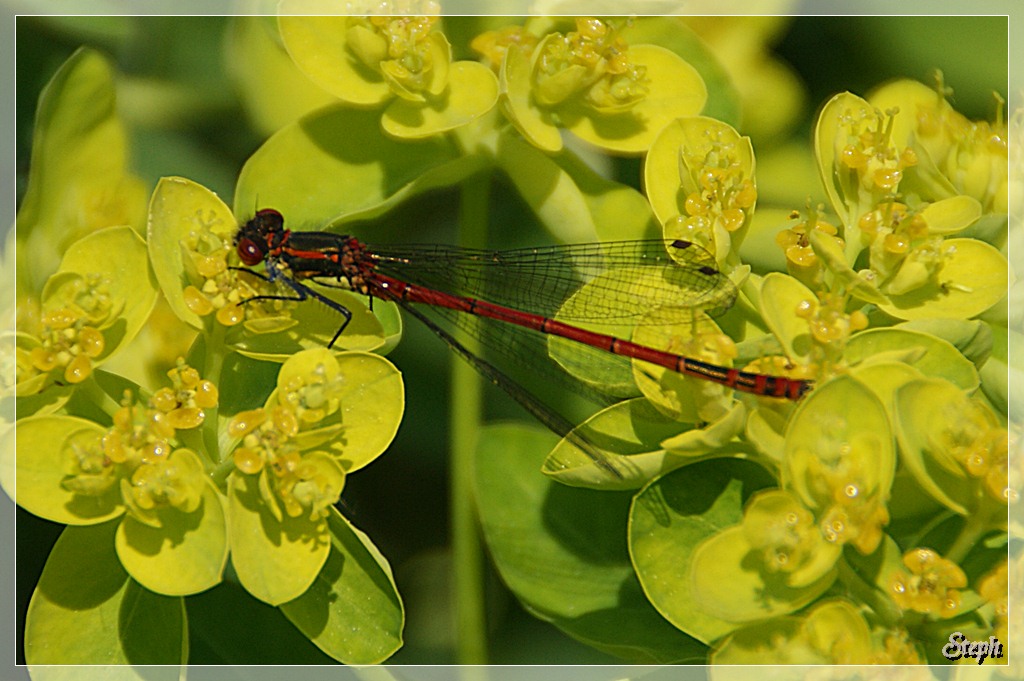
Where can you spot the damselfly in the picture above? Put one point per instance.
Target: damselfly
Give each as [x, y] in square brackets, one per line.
[537, 289]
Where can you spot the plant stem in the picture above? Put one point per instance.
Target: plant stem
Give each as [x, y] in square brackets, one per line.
[98, 396]
[213, 365]
[467, 552]
[887, 611]
[976, 524]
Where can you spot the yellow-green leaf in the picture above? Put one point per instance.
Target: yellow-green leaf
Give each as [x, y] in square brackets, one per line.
[185, 556]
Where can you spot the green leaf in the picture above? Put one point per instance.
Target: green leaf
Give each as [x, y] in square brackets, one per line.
[932, 414]
[842, 417]
[831, 632]
[319, 47]
[516, 86]
[373, 400]
[668, 179]
[671, 518]
[723, 100]
[118, 255]
[178, 210]
[727, 584]
[781, 297]
[353, 611]
[618, 211]
[472, 92]
[676, 90]
[45, 451]
[840, 185]
[85, 610]
[562, 551]
[974, 339]
[185, 556]
[933, 356]
[974, 278]
[627, 437]
[312, 325]
[948, 216]
[339, 163]
[78, 180]
[276, 561]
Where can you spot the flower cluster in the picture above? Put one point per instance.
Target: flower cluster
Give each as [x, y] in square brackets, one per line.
[931, 584]
[305, 414]
[140, 452]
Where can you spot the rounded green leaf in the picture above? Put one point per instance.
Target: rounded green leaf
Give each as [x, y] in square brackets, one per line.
[948, 216]
[781, 297]
[885, 377]
[672, 517]
[841, 187]
[974, 278]
[772, 642]
[516, 85]
[46, 448]
[842, 417]
[932, 356]
[472, 92]
[832, 632]
[675, 90]
[711, 437]
[353, 611]
[765, 428]
[319, 47]
[729, 585]
[974, 339]
[668, 180]
[931, 415]
[339, 163]
[276, 560]
[185, 556]
[180, 208]
[118, 255]
[562, 551]
[311, 325]
[373, 401]
[86, 611]
[617, 448]
[686, 398]
[619, 212]
[723, 101]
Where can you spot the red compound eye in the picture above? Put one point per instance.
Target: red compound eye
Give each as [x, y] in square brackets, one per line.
[249, 253]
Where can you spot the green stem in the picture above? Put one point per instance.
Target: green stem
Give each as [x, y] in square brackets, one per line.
[100, 398]
[887, 611]
[212, 366]
[466, 399]
[975, 526]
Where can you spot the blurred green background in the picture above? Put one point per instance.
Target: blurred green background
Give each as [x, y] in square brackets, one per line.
[186, 116]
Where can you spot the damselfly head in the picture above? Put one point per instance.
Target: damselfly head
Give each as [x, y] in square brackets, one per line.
[255, 236]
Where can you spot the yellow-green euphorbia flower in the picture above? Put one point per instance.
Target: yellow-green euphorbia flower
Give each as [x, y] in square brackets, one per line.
[590, 82]
[401, 63]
